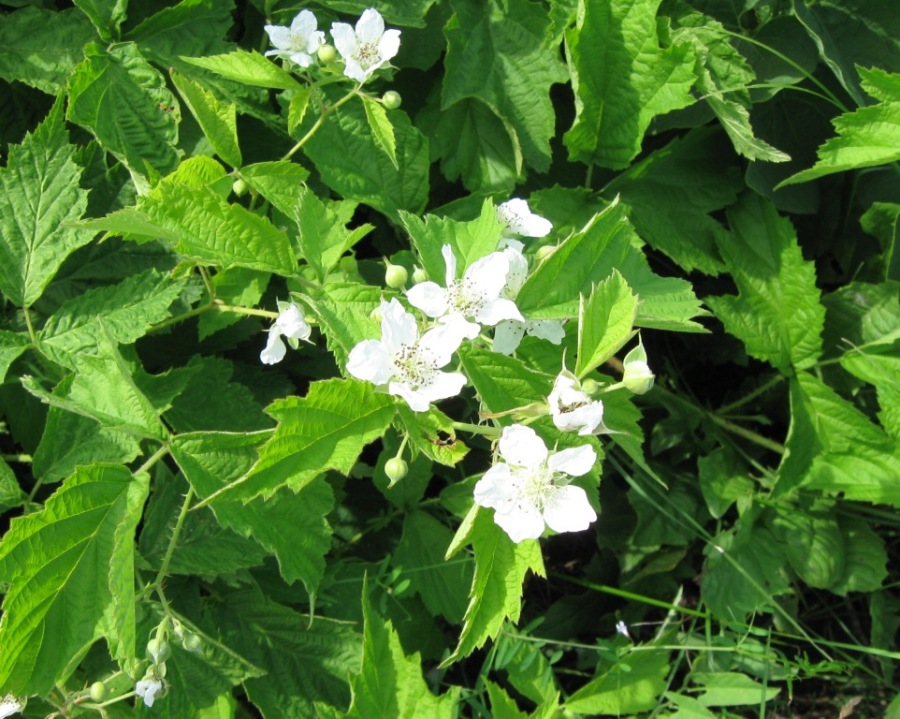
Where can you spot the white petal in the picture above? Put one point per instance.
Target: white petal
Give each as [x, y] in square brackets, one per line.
[429, 297]
[9, 705]
[398, 327]
[275, 349]
[550, 330]
[354, 70]
[496, 489]
[518, 272]
[147, 690]
[442, 341]
[279, 36]
[519, 218]
[521, 447]
[574, 462]
[585, 419]
[525, 522]
[443, 385]
[450, 264]
[370, 361]
[389, 45]
[416, 400]
[292, 324]
[304, 24]
[370, 26]
[301, 59]
[495, 311]
[488, 274]
[567, 509]
[344, 39]
[507, 336]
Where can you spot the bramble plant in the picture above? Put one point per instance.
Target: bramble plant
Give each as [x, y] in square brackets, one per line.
[323, 322]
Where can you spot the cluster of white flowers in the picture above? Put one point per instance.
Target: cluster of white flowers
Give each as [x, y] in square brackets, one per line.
[364, 48]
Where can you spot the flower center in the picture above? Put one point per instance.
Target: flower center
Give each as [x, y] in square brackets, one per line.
[534, 486]
[367, 54]
[466, 298]
[414, 367]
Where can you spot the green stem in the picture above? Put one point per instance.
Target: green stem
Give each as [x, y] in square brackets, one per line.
[492, 432]
[155, 457]
[747, 434]
[28, 324]
[762, 389]
[321, 119]
[23, 458]
[627, 595]
[170, 550]
[217, 305]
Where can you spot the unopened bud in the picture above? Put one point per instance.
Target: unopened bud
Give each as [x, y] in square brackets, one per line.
[239, 187]
[98, 691]
[326, 54]
[395, 469]
[158, 650]
[419, 275]
[637, 376]
[544, 251]
[395, 276]
[192, 643]
[590, 387]
[391, 100]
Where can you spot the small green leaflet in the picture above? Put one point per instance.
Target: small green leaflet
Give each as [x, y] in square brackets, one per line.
[432, 434]
[248, 68]
[12, 345]
[69, 565]
[345, 311]
[731, 689]
[382, 129]
[605, 321]
[503, 383]
[39, 195]
[217, 119]
[631, 685]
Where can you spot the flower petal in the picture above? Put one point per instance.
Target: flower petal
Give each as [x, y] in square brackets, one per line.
[521, 447]
[507, 336]
[496, 488]
[370, 361]
[488, 275]
[429, 297]
[398, 327]
[567, 509]
[279, 36]
[417, 401]
[550, 330]
[518, 272]
[442, 341]
[586, 419]
[519, 218]
[370, 26]
[524, 522]
[443, 385]
[389, 46]
[575, 461]
[495, 311]
[304, 24]
[275, 350]
[450, 264]
[291, 323]
[344, 39]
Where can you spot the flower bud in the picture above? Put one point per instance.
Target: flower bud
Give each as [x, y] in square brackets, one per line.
[239, 187]
[348, 265]
[192, 643]
[326, 54]
[395, 469]
[391, 100]
[395, 276]
[637, 376]
[98, 691]
[419, 275]
[158, 649]
[544, 251]
[590, 387]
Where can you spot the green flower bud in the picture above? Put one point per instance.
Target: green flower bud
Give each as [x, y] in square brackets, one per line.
[395, 469]
[158, 650]
[349, 265]
[98, 691]
[544, 251]
[637, 376]
[239, 187]
[590, 387]
[192, 643]
[395, 276]
[391, 100]
[419, 275]
[326, 54]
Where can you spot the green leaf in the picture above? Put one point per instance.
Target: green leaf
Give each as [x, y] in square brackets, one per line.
[432, 434]
[106, 15]
[442, 584]
[345, 313]
[605, 321]
[297, 109]
[502, 382]
[502, 706]
[125, 311]
[864, 474]
[882, 220]
[25, 36]
[69, 565]
[305, 660]
[382, 129]
[587, 257]
[238, 287]
[500, 569]
[501, 55]
[124, 101]
[813, 544]
[325, 430]
[777, 314]
[688, 708]
[673, 193]
[39, 195]
[390, 684]
[280, 182]
[12, 345]
[868, 137]
[882, 371]
[470, 240]
[622, 79]
[190, 27]
[527, 667]
[347, 156]
[11, 494]
[631, 685]
[249, 68]
[865, 565]
[731, 689]
[290, 525]
[217, 119]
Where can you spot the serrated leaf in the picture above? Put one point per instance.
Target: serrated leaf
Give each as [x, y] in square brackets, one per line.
[631, 685]
[777, 314]
[12, 345]
[882, 371]
[882, 220]
[351, 163]
[124, 311]
[865, 566]
[441, 584]
[217, 119]
[864, 474]
[290, 525]
[502, 705]
[605, 321]
[813, 544]
[495, 596]
[39, 194]
[382, 129]
[11, 494]
[25, 36]
[325, 430]
[502, 382]
[305, 661]
[68, 565]
[124, 102]
[345, 312]
[588, 257]
[106, 15]
[238, 287]
[500, 54]
[249, 68]
[732, 689]
[432, 433]
[622, 79]
[297, 109]
[390, 684]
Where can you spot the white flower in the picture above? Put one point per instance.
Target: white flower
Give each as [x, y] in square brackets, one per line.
[148, 689]
[299, 42]
[289, 323]
[530, 487]
[571, 408]
[622, 628]
[475, 296]
[366, 48]
[520, 220]
[9, 705]
[409, 364]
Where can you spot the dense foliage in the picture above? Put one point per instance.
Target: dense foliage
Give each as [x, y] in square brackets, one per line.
[484, 358]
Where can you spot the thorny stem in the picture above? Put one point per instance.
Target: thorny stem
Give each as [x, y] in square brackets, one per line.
[209, 306]
[170, 550]
[326, 110]
[475, 429]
